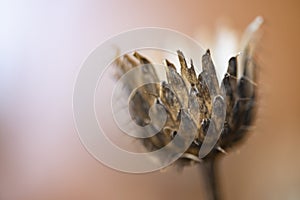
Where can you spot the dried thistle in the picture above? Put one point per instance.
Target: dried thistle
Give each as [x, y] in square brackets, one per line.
[174, 94]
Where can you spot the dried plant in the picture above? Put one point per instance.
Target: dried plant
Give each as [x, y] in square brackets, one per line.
[240, 98]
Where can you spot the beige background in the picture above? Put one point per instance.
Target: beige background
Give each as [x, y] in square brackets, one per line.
[42, 45]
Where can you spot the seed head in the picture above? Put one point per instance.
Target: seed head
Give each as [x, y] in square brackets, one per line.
[202, 95]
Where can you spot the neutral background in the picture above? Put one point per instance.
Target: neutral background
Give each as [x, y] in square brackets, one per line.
[42, 45]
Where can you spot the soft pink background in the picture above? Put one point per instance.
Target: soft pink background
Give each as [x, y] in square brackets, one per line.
[42, 45]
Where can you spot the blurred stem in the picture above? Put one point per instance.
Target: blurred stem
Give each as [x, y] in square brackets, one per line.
[209, 171]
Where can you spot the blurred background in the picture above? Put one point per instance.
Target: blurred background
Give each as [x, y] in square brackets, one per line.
[42, 46]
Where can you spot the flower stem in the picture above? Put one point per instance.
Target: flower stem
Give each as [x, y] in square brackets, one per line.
[209, 171]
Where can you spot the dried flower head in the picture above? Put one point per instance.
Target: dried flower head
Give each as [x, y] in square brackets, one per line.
[190, 90]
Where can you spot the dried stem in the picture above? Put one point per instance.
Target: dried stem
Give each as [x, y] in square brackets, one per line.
[209, 171]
